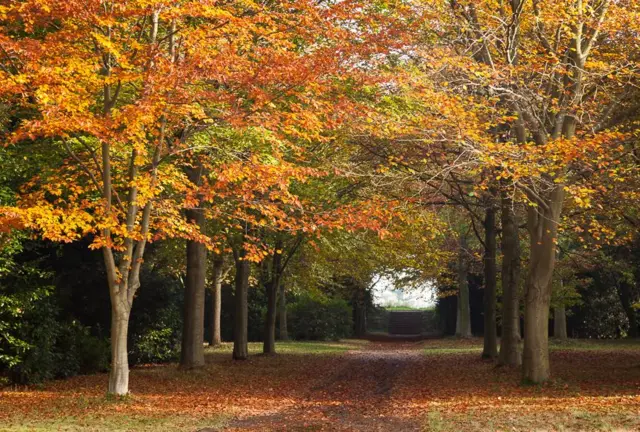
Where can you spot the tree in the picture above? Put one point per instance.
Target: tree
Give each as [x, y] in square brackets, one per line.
[240, 320]
[192, 352]
[490, 349]
[112, 88]
[463, 316]
[219, 272]
[272, 279]
[540, 67]
[509, 342]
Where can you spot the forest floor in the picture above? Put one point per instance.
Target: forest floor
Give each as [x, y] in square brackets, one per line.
[434, 385]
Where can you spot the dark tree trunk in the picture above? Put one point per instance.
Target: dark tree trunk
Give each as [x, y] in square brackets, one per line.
[192, 354]
[463, 316]
[282, 312]
[241, 318]
[215, 335]
[560, 323]
[510, 354]
[542, 224]
[269, 346]
[360, 313]
[490, 274]
[627, 300]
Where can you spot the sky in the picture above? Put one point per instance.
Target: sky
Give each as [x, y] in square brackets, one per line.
[386, 294]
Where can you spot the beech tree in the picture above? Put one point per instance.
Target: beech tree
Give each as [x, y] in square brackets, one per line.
[542, 65]
[112, 87]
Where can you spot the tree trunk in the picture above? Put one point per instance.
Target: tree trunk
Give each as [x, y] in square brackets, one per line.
[463, 316]
[510, 354]
[269, 346]
[192, 354]
[119, 373]
[241, 318]
[627, 300]
[560, 322]
[490, 274]
[542, 223]
[215, 336]
[360, 312]
[282, 313]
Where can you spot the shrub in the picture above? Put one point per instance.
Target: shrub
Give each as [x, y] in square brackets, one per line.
[156, 346]
[320, 318]
[81, 352]
[155, 329]
[36, 343]
[58, 350]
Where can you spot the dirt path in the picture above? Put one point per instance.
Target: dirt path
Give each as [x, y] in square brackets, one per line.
[355, 396]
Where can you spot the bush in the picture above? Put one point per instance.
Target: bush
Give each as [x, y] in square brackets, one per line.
[81, 352]
[58, 350]
[36, 342]
[156, 346]
[155, 329]
[319, 318]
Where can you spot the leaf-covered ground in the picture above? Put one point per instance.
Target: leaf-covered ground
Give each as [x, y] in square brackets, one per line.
[436, 385]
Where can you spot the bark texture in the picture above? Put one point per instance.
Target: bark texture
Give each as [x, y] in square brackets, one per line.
[271, 286]
[215, 335]
[282, 312]
[241, 318]
[510, 354]
[490, 349]
[463, 316]
[542, 223]
[543, 230]
[192, 353]
[119, 374]
[560, 322]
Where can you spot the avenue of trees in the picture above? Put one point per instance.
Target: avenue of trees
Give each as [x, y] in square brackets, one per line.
[175, 172]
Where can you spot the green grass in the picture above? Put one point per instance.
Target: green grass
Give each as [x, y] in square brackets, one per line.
[594, 344]
[474, 345]
[298, 347]
[408, 308]
[452, 345]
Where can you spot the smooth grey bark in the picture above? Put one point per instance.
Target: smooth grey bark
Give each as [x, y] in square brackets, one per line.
[282, 312]
[463, 316]
[542, 220]
[119, 373]
[271, 286]
[241, 318]
[490, 349]
[560, 322]
[192, 353]
[215, 335]
[510, 354]
[543, 231]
